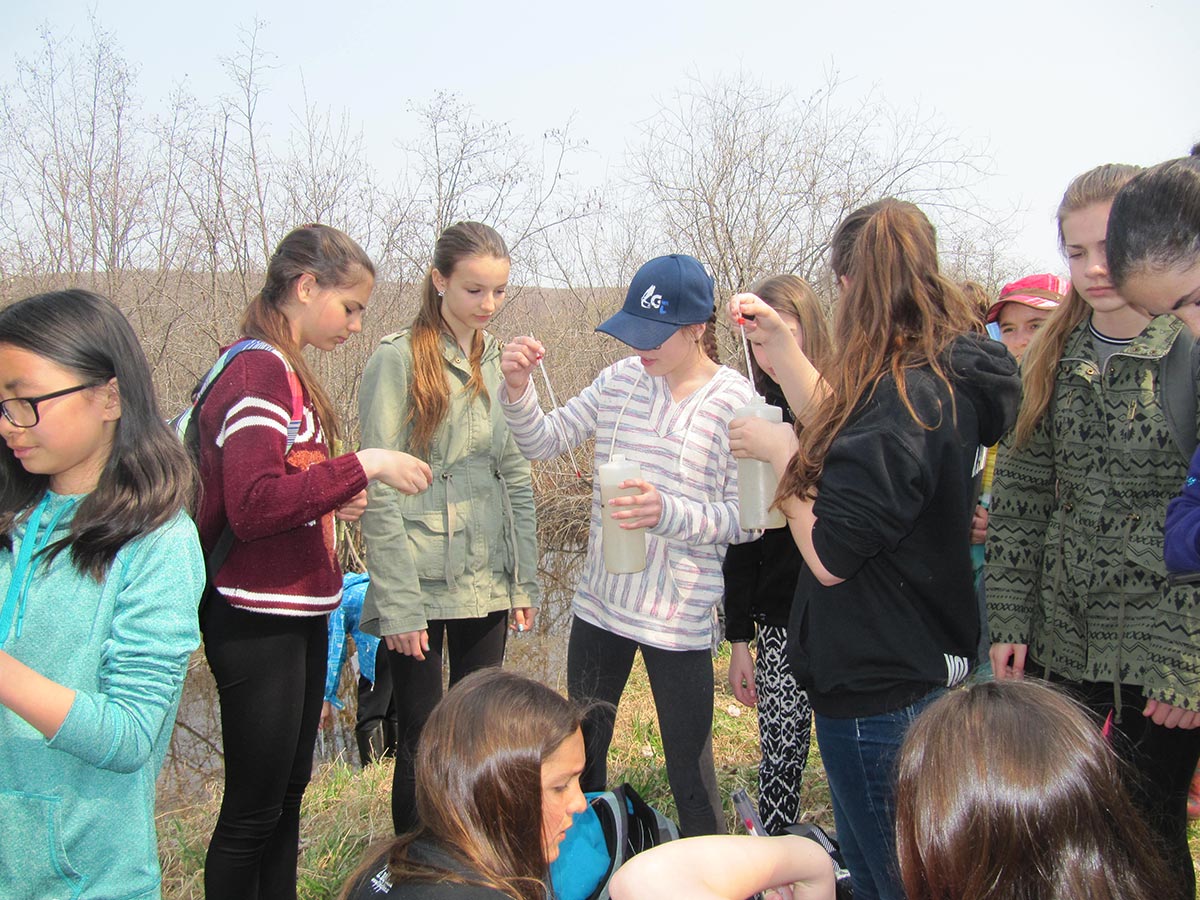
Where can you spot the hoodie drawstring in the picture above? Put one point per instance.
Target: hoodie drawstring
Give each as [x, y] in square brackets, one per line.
[695, 400]
[32, 544]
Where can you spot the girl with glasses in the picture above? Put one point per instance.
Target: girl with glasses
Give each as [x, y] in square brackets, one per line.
[100, 571]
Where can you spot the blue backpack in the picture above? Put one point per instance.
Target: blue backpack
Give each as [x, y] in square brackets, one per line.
[616, 825]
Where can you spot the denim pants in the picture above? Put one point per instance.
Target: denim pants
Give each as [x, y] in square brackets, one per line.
[860, 762]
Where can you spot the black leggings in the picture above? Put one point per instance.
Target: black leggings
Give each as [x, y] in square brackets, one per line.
[473, 644]
[1161, 760]
[598, 665]
[270, 673]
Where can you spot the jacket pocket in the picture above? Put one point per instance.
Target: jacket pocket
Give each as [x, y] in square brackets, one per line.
[437, 543]
[1144, 547]
[32, 853]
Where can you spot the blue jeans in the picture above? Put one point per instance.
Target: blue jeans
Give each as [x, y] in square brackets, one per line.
[860, 761]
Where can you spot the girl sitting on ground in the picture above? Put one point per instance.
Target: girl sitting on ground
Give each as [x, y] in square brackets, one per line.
[497, 787]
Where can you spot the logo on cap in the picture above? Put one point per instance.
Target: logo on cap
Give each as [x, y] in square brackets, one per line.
[651, 300]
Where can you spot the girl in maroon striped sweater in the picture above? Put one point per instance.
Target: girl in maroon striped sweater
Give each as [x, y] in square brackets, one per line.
[264, 631]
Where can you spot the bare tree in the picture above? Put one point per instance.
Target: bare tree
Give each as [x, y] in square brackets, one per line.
[465, 167]
[74, 160]
[753, 180]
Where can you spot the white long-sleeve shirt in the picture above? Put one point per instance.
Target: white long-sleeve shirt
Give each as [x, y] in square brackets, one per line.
[683, 450]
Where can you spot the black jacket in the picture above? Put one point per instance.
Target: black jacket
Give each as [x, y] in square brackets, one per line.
[760, 576]
[893, 512]
[377, 884]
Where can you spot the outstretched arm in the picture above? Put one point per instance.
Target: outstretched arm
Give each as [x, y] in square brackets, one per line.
[799, 379]
[727, 867]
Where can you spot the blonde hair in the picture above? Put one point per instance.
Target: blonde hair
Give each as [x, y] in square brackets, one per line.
[792, 295]
[1040, 364]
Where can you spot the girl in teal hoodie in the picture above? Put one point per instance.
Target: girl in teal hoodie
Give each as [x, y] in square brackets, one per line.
[100, 574]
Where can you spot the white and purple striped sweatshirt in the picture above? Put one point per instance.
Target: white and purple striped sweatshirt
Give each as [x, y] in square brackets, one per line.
[683, 449]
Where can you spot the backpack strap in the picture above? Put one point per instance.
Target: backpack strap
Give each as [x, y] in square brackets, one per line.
[1178, 376]
[189, 420]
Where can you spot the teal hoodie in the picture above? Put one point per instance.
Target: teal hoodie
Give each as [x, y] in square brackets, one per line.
[77, 810]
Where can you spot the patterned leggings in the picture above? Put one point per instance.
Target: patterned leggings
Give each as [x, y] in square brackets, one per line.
[784, 727]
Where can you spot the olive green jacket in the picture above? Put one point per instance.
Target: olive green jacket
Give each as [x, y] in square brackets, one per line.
[1075, 535]
[467, 546]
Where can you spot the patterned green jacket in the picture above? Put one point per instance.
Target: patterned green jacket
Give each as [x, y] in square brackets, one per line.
[1075, 536]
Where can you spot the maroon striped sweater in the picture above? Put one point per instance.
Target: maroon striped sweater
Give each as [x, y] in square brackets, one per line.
[281, 511]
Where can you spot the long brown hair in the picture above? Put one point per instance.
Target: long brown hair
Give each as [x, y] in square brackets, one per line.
[1040, 364]
[793, 296]
[1006, 789]
[897, 313]
[479, 782]
[430, 389]
[334, 260]
[148, 477]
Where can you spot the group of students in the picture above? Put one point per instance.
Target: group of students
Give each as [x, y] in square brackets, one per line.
[877, 482]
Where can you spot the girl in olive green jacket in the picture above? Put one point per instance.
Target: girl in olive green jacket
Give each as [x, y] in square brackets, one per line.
[449, 566]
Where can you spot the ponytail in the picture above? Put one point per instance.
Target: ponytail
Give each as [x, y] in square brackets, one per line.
[897, 313]
[334, 260]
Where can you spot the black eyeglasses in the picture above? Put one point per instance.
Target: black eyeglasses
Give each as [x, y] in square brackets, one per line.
[22, 412]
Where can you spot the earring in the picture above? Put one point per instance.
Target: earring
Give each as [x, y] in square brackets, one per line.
[441, 294]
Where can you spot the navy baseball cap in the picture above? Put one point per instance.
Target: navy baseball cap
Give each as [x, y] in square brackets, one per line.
[666, 293]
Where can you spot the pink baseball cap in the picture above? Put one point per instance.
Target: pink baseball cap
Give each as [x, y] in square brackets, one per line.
[1034, 291]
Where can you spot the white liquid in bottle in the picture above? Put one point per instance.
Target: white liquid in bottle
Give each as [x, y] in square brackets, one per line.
[624, 549]
[757, 482]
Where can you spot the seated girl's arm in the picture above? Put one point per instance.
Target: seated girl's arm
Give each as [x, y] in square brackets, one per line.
[143, 664]
[541, 435]
[727, 867]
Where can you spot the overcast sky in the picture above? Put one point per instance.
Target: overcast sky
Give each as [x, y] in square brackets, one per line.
[1048, 88]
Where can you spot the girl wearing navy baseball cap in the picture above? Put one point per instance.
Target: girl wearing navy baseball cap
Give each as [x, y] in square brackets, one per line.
[666, 408]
